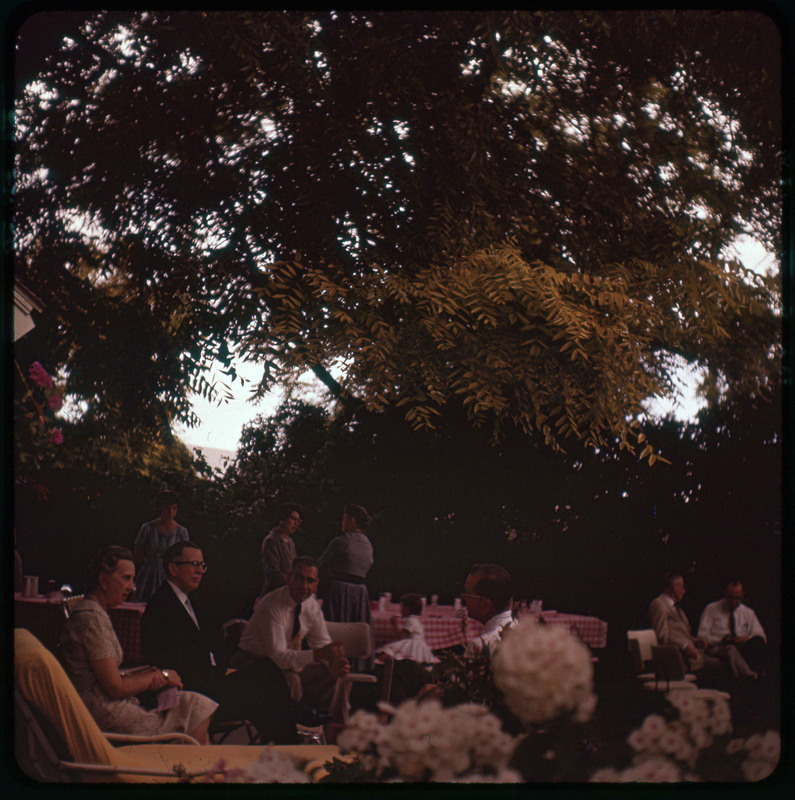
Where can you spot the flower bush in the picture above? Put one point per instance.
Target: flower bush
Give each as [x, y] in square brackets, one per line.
[763, 754]
[40, 376]
[35, 431]
[425, 741]
[461, 679]
[534, 723]
[543, 671]
[694, 746]
[271, 767]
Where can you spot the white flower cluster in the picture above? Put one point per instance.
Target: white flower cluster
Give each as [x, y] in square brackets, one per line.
[361, 735]
[275, 767]
[652, 769]
[426, 742]
[664, 748]
[544, 671]
[763, 754]
[271, 767]
[503, 775]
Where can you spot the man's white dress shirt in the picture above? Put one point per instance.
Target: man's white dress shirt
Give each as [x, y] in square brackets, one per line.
[269, 631]
[714, 623]
[491, 633]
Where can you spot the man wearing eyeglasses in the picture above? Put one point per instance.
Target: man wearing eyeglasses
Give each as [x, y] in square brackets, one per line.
[172, 629]
[488, 596]
[288, 627]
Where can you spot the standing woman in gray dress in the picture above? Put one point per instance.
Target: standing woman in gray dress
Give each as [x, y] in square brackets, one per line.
[346, 560]
[93, 654]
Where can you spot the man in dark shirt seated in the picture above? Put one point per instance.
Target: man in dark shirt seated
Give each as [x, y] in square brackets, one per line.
[172, 633]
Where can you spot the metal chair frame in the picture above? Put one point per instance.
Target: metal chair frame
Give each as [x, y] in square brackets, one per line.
[39, 753]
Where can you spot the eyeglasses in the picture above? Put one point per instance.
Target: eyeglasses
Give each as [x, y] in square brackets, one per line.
[302, 579]
[195, 564]
[464, 596]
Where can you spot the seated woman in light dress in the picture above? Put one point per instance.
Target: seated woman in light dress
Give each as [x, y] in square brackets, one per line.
[93, 654]
[412, 644]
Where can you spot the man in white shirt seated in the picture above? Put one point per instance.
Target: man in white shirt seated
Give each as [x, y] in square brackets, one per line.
[488, 596]
[729, 622]
[282, 622]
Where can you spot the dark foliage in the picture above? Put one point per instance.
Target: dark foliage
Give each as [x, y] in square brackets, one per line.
[524, 215]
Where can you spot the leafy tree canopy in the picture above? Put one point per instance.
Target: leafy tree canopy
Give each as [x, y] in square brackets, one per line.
[527, 215]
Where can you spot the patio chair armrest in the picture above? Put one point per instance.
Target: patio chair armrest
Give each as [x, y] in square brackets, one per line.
[182, 738]
[106, 769]
[360, 677]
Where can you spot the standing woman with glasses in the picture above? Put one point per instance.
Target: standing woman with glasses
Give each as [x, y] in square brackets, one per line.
[153, 539]
[93, 654]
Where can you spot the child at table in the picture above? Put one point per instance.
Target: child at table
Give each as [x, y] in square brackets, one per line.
[411, 645]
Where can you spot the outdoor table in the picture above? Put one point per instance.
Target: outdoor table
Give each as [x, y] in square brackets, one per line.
[591, 630]
[443, 629]
[440, 625]
[45, 619]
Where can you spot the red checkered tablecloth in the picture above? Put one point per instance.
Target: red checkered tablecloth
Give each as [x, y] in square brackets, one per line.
[126, 619]
[591, 630]
[443, 629]
[440, 631]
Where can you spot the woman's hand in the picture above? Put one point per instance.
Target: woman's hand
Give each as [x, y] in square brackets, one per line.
[118, 685]
[157, 680]
[173, 678]
[162, 678]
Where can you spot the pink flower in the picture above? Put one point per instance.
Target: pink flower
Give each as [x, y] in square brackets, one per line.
[55, 402]
[39, 375]
[56, 437]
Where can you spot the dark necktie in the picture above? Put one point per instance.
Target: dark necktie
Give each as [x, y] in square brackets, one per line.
[189, 608]
[679, 611]
[296, 620]
[732, 625]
